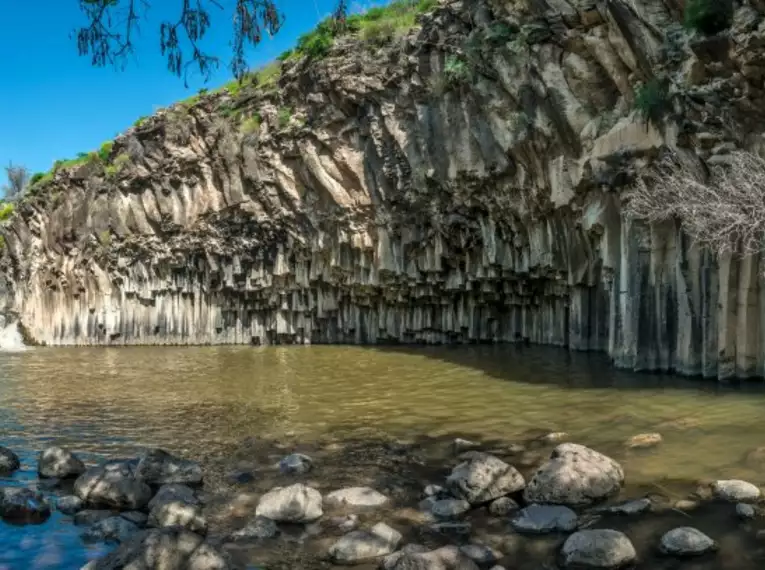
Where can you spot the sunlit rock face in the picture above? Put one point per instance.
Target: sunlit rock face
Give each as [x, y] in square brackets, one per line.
[382, 199]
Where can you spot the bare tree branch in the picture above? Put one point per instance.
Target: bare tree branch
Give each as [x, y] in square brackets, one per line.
[724, 211]
[18, 179]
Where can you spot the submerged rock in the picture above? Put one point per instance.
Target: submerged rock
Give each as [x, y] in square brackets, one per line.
[545, 518]
[162, 549]
[601, 548]
[503, 507]
[357, 497]
[113, 485]
[575, 475]
[9, 461]
[686, 541]
[296, 503]
[59, 463]
[445, 558]
[136, 517]
[296, 464]
[481, 554]
[178, 514]
[449, 508]
[112, 529]
[174, 492]
[158, 467]
[634, 507]
[735, 490]
[745, 511]
[91, 516]
[644, 440]
[257, 528]
[484, 478]
[23, 506]
[69, 504]
[362, 545]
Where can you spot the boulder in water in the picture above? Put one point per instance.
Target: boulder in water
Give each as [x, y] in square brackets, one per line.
[296, 464]
[23, 506]
[296, 503]
[444, 558]
[481, 554]
[92, 516]
[449, 508]
[165, 549]
[9, 461]
[178, 514]
[601, 548]
[59, 463]
[257, 528]
[575, 475]
[545, 518]
[113, 485]
[484, 478]
[735, 491]
[355, 497]
[157, 467]
[112, 529]
[686, 541]
[174, 492]
[69, 504]
[364, 545]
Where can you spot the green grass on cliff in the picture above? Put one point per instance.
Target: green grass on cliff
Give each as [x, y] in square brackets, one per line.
[6, 211]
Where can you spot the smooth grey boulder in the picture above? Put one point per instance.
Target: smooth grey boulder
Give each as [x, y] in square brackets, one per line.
[113, 485]
[158, 467]
[601, 548]
[545, 518]
[112, 529]
[162, 549]
[59, 463]
[449, 508]
[444, 558]
[91, 516]
[9, 461]
[484, 478]
[745, 511]
[174, 492]
[363, 545]
[296, 503]
[355, 497]
[257, 528]
[295, 464]
[19, 505]
[686, 541]
[503, 506]
[178, 514]
[575, 475]
[69, 504]
[735, 491]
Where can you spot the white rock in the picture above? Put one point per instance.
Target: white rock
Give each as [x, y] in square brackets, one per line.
[357, 497]
[178, 514]
[686, 541]
[575, 475]
[484, 478]
[735, 490]
[296, 503]
[363, 545]
[545, 518]
[601, 548]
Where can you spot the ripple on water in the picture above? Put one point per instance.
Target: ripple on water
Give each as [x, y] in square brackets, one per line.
[197, 400]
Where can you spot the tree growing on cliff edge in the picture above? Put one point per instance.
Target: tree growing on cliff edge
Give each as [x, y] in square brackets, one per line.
[112, 26]
[18, 179]
[723, 209]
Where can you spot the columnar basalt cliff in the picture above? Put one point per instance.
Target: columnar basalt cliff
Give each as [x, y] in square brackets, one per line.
[459, 184]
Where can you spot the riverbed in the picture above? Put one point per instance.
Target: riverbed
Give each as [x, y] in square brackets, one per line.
[203, 402]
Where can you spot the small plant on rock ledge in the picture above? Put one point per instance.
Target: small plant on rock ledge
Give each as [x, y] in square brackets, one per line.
[652, 101]
[456, 71]
[284, 115]
[708, 16]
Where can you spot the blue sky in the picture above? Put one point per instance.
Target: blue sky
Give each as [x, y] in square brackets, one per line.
[53, 104]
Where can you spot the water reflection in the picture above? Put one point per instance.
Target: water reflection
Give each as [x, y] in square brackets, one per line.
[196, 400]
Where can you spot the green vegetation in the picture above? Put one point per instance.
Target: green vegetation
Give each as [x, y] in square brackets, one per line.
[105, 238]
[283, 116]
[38, 177]
[708, 16]
[6, 211]
[140, 121]
[105, 151]
[251, 124]
[652, 100]
[120, 162]
[456, 71]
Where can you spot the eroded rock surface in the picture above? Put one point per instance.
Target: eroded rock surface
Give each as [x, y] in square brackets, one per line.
[55, 462]
[397, 204]
[296, 503]
[113, 485]
[484, 478]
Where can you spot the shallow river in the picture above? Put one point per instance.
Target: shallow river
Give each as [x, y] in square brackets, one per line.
[195, 400]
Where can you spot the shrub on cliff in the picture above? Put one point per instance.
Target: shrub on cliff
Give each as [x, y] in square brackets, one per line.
[708, 16]
[723, 211]
[652, 100]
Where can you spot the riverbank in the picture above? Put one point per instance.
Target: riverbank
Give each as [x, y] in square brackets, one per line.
[285, 505]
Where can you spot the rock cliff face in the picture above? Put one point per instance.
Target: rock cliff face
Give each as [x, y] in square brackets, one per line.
[459, 184]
